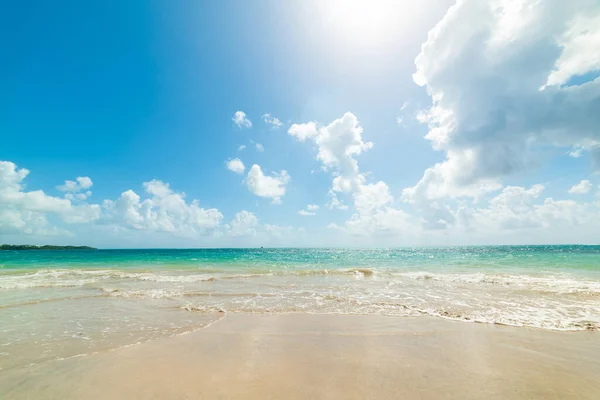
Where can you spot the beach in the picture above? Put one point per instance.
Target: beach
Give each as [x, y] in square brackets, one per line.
[465, 322]
[299, 356]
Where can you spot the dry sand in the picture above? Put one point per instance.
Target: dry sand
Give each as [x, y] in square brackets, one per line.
[328, 357]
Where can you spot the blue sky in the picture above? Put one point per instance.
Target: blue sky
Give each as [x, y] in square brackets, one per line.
[127, 93]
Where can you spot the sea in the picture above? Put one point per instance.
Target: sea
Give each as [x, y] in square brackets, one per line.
[60, 304]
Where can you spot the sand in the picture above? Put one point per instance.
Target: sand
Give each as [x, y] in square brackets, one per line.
[300, 356]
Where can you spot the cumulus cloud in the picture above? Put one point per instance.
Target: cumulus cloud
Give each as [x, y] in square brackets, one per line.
[262, 185]
[338, 145]
[260, 147]
[518, 208]
[270, 120]
[241, 147]
[239, 118]
[582, 187]
[81, 182]
[244, 224]
[26, 211]
[236, 165]
[75, 189]
[164, 211]
[495, 72]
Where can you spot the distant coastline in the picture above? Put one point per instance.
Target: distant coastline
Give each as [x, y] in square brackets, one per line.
[44, 247]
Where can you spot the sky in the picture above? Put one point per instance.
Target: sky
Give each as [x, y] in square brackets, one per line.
[363, 123]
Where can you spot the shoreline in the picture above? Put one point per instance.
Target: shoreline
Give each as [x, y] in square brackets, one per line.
[300, 356]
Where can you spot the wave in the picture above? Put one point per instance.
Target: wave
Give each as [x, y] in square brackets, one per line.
[551, 283]
[75, 278]
[48, 278]
[493, 316]
[558, 284]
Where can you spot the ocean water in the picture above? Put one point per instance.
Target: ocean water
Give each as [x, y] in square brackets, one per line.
[60, 304]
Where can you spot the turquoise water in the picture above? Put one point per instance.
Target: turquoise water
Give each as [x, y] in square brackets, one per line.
[569, 258]
[57, 304]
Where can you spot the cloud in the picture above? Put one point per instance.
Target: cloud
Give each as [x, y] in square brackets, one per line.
[164, 211]
[306, 213]
[270, 120]
[576, 152]
[244, 224]
[582, 187]
[26, 211]
[236, 165]
[81, 182]
[401, 119]
[75, 188]
[239, 118]
[309, 210]
[267, 186]
[304, 131]
[580, 43]
[495, 72]
[517, 208]
[338, 145]
[260, 147]
[242, 147]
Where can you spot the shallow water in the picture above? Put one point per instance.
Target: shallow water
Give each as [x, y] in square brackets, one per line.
[57, 304]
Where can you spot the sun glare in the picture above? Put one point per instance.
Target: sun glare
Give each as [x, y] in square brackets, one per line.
[364, 19]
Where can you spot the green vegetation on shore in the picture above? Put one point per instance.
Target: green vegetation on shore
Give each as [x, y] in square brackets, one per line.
[45, 247]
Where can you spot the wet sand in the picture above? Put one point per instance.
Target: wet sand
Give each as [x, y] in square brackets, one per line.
[304, 356]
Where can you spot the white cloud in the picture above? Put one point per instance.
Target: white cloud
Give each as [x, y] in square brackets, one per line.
[244, 224]
[580, 43]
[260, 147]
[239, 118]
[483, 66]
[306, 213]
[270, 120]
[371, 197]
[267, 186]
[26, 212]
[401, 119]
[576, 152]
[310, 209]
[518, 208]
[386, 221]
[75, 188]
[165, 211]
[283, 234]
[236, 165]
[242, 147]
[338, 145]
[582, 187]
[304, 131]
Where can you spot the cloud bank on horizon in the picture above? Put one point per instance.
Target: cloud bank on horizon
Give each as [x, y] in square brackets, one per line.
[510, 82]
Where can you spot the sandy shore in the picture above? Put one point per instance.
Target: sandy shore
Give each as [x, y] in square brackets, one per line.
[328, 357]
